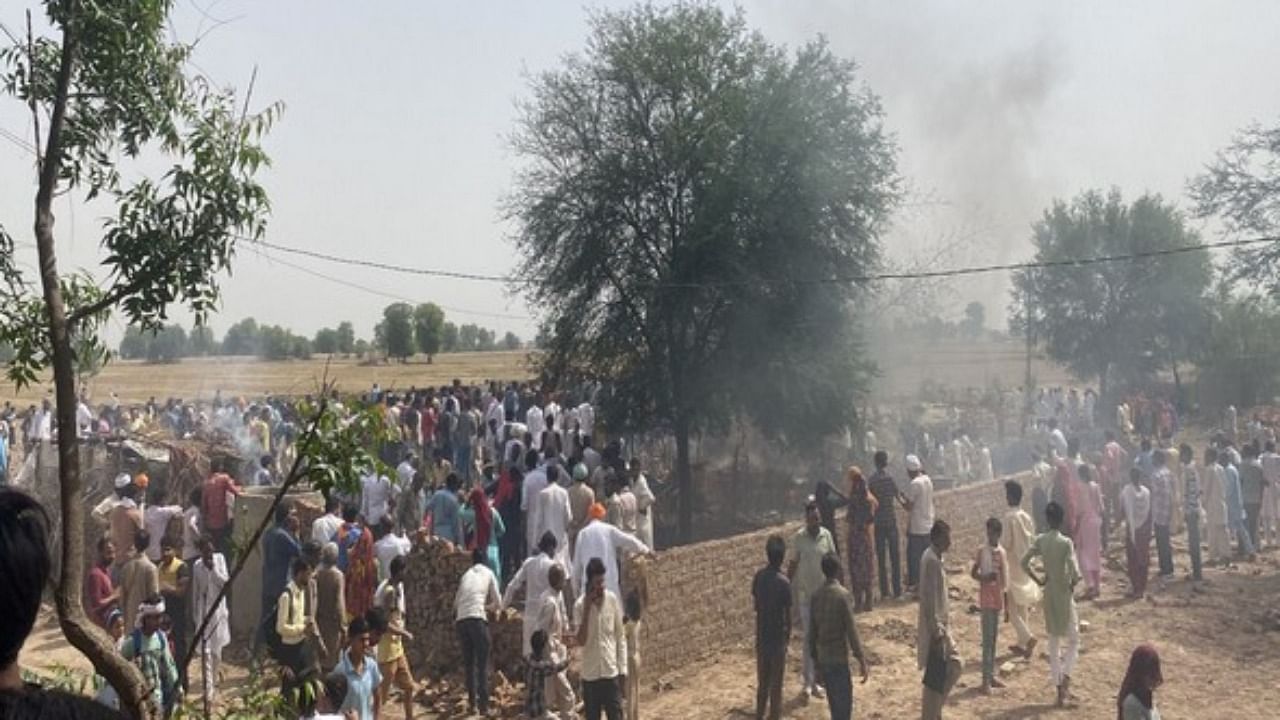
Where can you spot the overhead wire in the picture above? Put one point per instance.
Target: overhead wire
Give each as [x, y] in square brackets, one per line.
[837, 279]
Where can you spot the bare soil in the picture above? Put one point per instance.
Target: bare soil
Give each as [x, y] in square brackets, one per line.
[1219, 644]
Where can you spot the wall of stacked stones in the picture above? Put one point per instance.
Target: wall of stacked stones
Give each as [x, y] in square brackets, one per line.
[699, 595]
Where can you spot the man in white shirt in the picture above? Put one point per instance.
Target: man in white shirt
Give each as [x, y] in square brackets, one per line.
[42, 422]
[84, 418]
[553, 514]
[325, 528]
[375, 496]
[405, 471]
[388, 547]
[601, 540]
[155, 518]
[477, 593]
[1057, 441]
[533, 577]
[554, 621]
[645, 500]
[534, 422]
[919, 518]
[598, 617]
[535, 480]
[1269, 531]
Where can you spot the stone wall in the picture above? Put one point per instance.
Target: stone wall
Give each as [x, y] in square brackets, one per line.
[700, 595]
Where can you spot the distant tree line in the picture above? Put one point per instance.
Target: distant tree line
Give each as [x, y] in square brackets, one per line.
[404, 331]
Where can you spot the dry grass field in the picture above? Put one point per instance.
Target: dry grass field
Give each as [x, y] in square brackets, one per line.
[904, 368]
[196, 378]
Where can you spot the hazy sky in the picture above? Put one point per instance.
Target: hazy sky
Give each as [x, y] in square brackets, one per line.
[392, 145]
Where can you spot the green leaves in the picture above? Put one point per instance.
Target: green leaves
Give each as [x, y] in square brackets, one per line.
[170, 236]
[344, 446]
[678, 175]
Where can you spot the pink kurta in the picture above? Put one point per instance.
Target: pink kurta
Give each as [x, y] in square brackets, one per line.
[1089, 532]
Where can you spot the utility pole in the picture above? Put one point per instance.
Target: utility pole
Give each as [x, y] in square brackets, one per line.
[1027, 380]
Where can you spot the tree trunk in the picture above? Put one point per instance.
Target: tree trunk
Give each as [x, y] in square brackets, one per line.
[684, 480]
[95, 645]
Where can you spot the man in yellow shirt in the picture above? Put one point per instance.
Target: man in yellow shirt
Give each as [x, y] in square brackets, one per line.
[386, 622]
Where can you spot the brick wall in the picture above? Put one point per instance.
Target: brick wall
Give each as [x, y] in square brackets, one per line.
[700, 595]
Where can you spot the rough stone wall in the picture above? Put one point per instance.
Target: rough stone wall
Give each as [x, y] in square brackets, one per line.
[700, 595]
[431, 583]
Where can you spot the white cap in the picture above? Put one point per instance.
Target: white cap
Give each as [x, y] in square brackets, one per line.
[913, 463]
[123, 480]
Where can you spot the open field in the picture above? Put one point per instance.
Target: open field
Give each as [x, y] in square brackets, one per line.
[196, 378]
[903, 369]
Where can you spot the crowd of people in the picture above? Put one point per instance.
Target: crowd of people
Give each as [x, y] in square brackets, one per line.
[547, 518]
[1050, 557]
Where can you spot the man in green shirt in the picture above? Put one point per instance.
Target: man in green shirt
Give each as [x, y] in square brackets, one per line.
[1061, 573]
[808, 547]
[833, 635]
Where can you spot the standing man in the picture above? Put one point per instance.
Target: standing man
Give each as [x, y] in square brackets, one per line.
[1022, 593]
[215, 508]
[1061, 574]
[645, 500]
[935, 648]
[444, 511]
[886, 494]
[534, 577]
[279, 549]
[1252, 484]
[808, 547]
[581, 498]
[477, 594]
[598, 615]
[1162, 512]
[1235, 506]
[555, 513]
[208, 575]
[772, 594]
[1270, 515]
[601, 540]
[919, 518]
[1191, 506]
[834, 636]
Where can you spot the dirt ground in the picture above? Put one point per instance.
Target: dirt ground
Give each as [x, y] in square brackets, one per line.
[1219, 644]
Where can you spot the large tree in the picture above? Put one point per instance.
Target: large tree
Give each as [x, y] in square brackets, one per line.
[109, 96]
[346, 338]
[1241, 187]
[243, 338]
[1123, 319]
[428, 329]
[397, 331]
[695, 209]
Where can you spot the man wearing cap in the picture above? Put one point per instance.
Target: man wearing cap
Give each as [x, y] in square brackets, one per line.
[125, 518]
[919, 518]
[601, 540]
[581, 498]
[808, 547]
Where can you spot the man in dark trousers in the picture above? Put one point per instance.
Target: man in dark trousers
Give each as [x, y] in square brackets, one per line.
[772, 592]
[834, 636]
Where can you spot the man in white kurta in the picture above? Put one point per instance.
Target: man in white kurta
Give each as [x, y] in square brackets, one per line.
[552, 514]
[1023, 593]
[208, 575]
[532, 576]
[534, 481]
[602, 540]
[645, 500]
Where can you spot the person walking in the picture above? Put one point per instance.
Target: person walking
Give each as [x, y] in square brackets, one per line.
[601, 634]
[989, 569]
[919, 518]
[861, 520]
[1022, 593]
[936, 651]
[208, 576]
[139, 579]
[804, 569]
[771, 592]
[1061, 574]
[886, 493]
[477, 594]
[834, 636]
[1252, 486]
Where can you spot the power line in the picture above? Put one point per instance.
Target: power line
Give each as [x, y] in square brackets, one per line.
[389, 296]
[865, 278]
